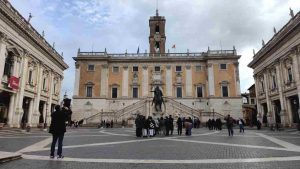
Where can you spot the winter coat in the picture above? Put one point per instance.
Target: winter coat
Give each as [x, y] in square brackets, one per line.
[58, 122]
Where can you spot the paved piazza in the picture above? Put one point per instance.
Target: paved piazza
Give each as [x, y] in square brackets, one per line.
[119, 148]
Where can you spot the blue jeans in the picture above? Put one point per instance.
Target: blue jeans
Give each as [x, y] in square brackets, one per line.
[230, 130]
[60, 139]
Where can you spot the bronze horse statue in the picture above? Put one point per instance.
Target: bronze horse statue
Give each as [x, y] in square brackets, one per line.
[157, 99]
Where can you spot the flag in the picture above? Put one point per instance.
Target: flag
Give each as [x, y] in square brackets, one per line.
[138, 50]
[174, 46]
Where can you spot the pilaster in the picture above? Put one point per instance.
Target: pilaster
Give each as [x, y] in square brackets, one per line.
[211, 81]
[125, 81]
[3, 39]
[77, 79]
[145, 78]
[104, 81]
[188, 81]
[169, 87]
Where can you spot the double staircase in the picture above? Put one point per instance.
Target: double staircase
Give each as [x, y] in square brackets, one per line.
[144, 107]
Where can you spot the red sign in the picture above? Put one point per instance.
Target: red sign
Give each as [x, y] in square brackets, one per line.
[13, 83]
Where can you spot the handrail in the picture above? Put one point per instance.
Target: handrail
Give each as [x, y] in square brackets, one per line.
[132, 106]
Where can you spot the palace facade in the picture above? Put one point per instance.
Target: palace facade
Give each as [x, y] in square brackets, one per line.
[31, 72]
[276, 73]
[112, 86]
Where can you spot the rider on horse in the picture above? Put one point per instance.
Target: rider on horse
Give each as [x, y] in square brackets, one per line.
[157, 99]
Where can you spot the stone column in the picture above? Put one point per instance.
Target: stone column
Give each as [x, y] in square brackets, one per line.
[145, 85]
[237, 79]
[77, 80]
[258, 104]
[169, 81]
[30, 113]
[269, 104]
[51, 91]
[40, 81]
[125, 81]
[211, 81]
[3, 39]
[104, 81]
[295, 57]
[20, 94]
[188, 81]
[280, 83]
[11, 110]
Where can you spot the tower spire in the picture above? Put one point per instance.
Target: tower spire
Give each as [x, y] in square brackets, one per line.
[157, 8]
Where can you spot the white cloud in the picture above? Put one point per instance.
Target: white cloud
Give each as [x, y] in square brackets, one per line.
[123, 24]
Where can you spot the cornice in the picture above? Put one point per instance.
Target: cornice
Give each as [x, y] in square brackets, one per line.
[15, 20]
[288, 29]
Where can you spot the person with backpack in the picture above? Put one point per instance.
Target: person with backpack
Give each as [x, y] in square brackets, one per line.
[229, 123]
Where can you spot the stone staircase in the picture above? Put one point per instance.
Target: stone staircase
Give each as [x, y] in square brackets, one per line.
[145, 107]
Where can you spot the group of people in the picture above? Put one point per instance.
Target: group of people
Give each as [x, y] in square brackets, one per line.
[213, 124]
[148, 127]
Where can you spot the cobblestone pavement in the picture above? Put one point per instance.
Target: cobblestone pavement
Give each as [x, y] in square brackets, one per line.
[119, 148]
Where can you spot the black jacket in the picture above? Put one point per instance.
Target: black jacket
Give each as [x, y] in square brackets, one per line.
[58, 122]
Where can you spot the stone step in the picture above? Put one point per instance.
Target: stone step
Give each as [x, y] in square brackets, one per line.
[8, 156]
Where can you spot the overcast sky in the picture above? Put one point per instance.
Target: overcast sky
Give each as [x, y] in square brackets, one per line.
[123, 24]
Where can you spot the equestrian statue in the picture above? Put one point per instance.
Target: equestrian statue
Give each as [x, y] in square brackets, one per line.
[157, 99]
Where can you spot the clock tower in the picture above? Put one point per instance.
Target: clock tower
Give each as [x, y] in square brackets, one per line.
[157, 37]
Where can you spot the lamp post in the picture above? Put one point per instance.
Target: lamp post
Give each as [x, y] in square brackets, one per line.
[45, 123]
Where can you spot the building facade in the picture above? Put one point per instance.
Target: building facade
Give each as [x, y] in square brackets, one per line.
[118, 86]
[31, 71]
[249, 106]
[276, 73]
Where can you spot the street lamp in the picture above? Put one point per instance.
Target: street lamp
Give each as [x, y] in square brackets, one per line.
[45, 123]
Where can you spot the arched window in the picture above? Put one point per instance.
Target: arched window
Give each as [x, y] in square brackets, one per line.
[156, 29]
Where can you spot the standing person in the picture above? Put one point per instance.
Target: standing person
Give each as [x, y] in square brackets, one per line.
[162, 126]
[167, 124]
[151, 125]
[139, 126]
[229, 123]
[179, 126]
[258, 124]
[111, 124]
[171, 120]
[241, 125]
[58, 129]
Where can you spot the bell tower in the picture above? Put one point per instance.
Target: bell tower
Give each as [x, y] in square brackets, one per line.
[157, 37]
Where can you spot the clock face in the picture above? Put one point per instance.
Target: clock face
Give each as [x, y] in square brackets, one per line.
[157, 37]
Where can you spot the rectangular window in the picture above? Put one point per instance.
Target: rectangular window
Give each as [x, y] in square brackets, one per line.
[157, 68]
[179, 92]
[223, 66]
[114, 92]
[290, 75]
[135, 92]
[178, 68]
[44, 84]
[262, 86]
[274, 82]
[225, 91]
[54, 88]
[91, 67]
[116, 69]
[198, 68]
[252, 101]
[135, 68]
[89, 91]
[30, 76]
[199, 91]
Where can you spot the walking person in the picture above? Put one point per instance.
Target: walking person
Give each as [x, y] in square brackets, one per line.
[229, 123]
[171, 124]
[58, 129]
[179, 126]
[241, 125]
